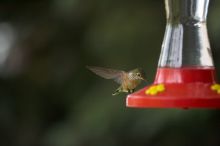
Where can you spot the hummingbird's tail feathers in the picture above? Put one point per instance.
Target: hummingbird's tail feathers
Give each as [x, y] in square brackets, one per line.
[106, 73]
[116, 92]
[131, 91]
[120, 90]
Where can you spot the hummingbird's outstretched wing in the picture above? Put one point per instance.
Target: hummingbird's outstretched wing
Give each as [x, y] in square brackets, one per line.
[107, 73]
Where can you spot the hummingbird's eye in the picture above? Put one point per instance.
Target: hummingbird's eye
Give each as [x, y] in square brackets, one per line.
[138, 74]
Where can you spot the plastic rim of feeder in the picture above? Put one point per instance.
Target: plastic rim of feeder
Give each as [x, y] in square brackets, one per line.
[186, 75]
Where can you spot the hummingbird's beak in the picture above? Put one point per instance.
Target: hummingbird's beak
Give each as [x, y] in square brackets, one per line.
[143, 79]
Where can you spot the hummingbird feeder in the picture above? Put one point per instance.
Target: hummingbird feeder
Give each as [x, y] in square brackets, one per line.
[185, 75]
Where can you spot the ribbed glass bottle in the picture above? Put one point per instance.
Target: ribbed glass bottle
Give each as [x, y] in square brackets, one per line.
[186, 42]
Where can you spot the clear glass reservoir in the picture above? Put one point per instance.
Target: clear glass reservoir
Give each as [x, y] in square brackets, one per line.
[186, 42]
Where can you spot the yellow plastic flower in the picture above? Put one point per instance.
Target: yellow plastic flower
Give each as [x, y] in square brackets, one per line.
[160, 88]
[216, 87]
[155, 89]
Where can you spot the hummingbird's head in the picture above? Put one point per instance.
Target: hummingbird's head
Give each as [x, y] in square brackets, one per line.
[137, 74]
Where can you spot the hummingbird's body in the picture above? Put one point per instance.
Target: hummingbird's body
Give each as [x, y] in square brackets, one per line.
[128, 80]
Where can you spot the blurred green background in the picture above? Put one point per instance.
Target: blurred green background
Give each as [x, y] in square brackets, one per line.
[49, 98]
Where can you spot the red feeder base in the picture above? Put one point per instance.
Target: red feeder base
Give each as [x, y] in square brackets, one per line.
[179, 88]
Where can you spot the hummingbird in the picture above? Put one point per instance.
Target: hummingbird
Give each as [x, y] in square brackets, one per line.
[128, 80]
